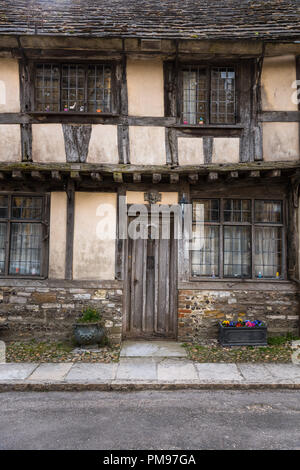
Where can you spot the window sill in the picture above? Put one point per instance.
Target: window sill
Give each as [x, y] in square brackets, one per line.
[208, 126]
[70, 113]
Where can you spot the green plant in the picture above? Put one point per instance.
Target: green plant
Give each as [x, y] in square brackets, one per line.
[278, 340]
[91, 315]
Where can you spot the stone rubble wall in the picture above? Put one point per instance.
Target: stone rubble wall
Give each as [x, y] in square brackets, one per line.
[199, 311]
[45, 313]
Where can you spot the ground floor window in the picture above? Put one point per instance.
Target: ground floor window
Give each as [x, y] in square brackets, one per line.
[22, 235]
[238, 238]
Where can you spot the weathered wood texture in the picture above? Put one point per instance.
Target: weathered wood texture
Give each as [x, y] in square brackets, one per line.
[77, 139]
[151, 289]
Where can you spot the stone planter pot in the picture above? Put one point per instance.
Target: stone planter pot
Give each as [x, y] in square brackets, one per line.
[88, 333]
[242, 336]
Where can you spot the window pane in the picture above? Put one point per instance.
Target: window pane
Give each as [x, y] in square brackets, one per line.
[206, 210]
[205, 258]
[194, 95]
[73, 88]
[25, 249]
[47, 87]
[268, 252]
[268, 211]
[26, 207]
[3, 207]
[222, 95]
[237, 252]
[2, 247]
[99, 89]
[237, 210]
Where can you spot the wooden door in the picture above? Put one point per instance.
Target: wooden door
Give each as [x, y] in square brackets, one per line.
[151, 288]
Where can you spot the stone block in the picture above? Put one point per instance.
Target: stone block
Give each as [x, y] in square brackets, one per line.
[2, 352]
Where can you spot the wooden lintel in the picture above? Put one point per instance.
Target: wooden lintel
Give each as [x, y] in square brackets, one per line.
[156, 178]
[193, 178]
[273, 173]
[254, 174]
[174, 178]
[212, 176]
[96, 177]
[56, 175]
[37, 175]
[137, 177]
[75, 175]
[118, 177]
[232, 175]
[17, 175]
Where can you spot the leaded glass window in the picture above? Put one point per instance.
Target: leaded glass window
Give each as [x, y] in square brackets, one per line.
[238, 238]
[22, 235]
[73, 88]
[208, 95]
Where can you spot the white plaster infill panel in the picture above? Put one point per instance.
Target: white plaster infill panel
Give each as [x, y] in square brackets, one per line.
[278, 75]
[10, 143]
[103, 147]
[280, 141]
[190, 151]
[9, 86]
[94, 236]
[226, 150]
[57, 239]
[145, 82]
[48, 144]
[147, 145]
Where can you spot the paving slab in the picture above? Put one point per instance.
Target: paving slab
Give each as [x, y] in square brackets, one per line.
[152, 349]
[284, 371]
[16, 371]
[136, 369]
[2, 352]
[211, 372]
[174, 370]
[50, 372]
[90, 373]
[256, 373]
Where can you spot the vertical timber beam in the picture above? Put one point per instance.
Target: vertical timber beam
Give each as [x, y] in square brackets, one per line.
[70, 229]
[120, 240]
[26, 103]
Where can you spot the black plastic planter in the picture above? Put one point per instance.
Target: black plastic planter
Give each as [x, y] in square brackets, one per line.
[242, 336]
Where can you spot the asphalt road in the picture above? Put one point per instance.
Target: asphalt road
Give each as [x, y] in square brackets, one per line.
[170, 420]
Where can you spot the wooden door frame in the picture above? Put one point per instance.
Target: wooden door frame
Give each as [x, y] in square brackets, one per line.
[126, 298]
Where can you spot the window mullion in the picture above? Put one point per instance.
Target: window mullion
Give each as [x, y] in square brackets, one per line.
[253, 239]
[221, 240]
[7, 244]
[208, 97]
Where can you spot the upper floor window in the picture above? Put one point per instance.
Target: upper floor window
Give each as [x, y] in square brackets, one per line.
[73, 87]
[208, 95]
[22, 235]
[238, 238]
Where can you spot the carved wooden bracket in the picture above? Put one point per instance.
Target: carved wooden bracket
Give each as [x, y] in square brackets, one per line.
[152, 197]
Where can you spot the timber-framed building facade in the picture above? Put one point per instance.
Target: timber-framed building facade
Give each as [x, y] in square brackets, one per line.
[171, 104]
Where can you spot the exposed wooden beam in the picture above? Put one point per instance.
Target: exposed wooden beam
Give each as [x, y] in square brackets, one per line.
[75, 175]
[96, 177]
[174, 178]
[193, 178]
[212, 176]
[273, 173]
[118, 177]
[156, 178]
[137, 177]
[17, 175]
[232, 175]
[37, 175]
[56, 175]
[254, 174]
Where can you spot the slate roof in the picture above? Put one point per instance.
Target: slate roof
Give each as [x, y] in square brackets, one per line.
[187, 19]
